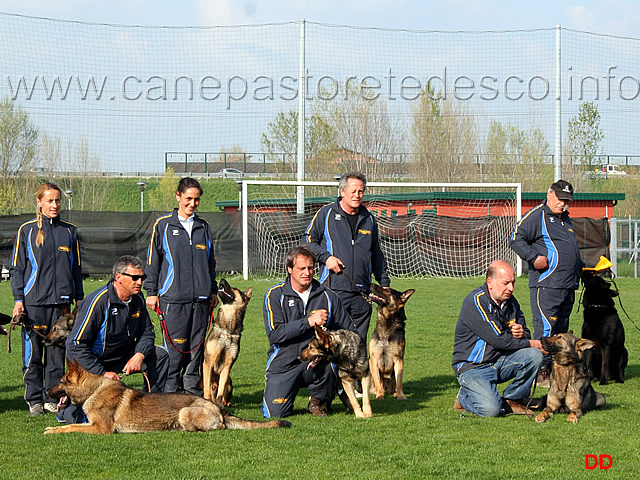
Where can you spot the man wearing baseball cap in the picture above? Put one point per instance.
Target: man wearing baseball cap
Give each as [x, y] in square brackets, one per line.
[545, 239]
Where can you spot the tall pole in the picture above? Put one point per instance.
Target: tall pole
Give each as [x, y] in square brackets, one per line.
[142, 186]
[557, 160]
[301, 121]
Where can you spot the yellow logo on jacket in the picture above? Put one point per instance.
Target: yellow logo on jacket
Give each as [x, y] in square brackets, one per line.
[364, 232]
[200, 246]
[136, 315]
[64, 249]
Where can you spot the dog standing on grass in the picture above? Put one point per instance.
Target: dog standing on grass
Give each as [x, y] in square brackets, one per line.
[112, 407]
[223, 343]
[386, 347]
[570, 389]
[602, 325]
[348, 351]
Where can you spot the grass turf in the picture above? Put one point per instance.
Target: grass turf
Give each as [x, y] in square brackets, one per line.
[418, 438]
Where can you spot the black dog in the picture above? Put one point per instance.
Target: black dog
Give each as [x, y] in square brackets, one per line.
[602, 325]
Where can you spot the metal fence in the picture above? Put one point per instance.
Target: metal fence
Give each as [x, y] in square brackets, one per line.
[625, 246]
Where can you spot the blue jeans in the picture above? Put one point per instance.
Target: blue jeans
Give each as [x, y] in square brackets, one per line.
[479, 386]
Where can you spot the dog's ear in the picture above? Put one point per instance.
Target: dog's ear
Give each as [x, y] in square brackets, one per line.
[248, 292]
[323, 337]
[406, 294]
[584, 344]
[74, 312]
[570, 332]
[65, 309]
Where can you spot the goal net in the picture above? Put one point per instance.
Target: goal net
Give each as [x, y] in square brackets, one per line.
[425, 229]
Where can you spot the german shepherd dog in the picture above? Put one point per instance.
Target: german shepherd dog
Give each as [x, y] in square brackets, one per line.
[223, 343]
[348, 351]
[112, 407]
[570, 389]
[62, 328]
[602, 325]
[386, 347]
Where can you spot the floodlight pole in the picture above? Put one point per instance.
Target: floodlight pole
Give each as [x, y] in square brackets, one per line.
[142, 186]
[69, 194]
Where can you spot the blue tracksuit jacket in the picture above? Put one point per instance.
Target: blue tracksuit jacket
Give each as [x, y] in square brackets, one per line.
[541, 232]
[329, 234]
[181, 269]
[50, 274]
[482, 334]
[286, 324]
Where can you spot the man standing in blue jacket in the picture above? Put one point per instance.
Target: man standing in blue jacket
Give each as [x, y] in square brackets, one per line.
[545, 239]
[492, 345]
[344, 237]
[292, 309]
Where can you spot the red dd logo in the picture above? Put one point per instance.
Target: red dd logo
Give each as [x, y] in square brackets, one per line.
[591, 462]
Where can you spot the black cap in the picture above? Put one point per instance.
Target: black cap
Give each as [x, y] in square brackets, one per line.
[563, 189]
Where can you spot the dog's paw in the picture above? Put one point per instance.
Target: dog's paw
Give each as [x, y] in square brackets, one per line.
[573, 418]
[401, 396]
[542, 417]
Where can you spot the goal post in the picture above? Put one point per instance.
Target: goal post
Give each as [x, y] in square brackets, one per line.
[425, 229]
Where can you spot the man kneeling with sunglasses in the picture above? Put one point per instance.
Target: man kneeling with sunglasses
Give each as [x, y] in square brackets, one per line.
[113, 333]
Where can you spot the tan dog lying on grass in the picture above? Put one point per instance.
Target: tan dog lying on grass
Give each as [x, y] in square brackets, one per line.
[112, 407]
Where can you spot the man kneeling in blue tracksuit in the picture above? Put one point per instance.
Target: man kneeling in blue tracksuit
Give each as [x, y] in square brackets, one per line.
[292, 308]
[493, 345]
[113, 333]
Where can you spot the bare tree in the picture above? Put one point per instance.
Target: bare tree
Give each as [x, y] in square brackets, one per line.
[444, 137]
[367, 137]
[280, 143]
[18, 147]
[518, 155]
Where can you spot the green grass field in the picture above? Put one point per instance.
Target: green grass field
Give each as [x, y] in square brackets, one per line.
[419, 438]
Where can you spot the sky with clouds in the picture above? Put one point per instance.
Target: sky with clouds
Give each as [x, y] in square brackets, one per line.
[33, 47]
[614, 17]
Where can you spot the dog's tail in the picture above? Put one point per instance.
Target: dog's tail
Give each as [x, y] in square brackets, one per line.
[237, 423]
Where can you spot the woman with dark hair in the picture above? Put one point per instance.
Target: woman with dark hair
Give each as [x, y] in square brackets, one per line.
[46, 275]
[181, 283]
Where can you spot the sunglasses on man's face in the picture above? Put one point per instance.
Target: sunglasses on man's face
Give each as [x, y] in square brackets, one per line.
[135, 278]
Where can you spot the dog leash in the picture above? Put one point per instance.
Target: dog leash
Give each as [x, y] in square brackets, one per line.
[144, 375]
[580, 302]
[343, 271]
[165, 331]
[20, 320]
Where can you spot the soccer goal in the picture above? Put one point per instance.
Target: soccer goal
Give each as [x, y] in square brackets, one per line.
[425, 229]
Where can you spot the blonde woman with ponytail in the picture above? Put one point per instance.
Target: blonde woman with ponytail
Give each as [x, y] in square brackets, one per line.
[46, 275]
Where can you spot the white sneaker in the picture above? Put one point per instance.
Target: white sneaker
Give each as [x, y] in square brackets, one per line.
[50, 407]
